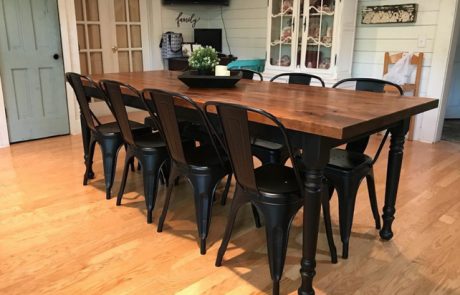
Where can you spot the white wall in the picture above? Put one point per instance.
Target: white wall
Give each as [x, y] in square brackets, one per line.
[246, 23]
[453, 100]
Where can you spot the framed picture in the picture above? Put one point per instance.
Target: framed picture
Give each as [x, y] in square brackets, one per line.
[186, 49]
[389, 14]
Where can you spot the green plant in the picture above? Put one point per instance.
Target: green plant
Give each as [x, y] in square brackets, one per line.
[204, 59]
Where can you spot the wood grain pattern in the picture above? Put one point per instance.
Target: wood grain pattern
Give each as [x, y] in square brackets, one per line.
[59, 237]
[335, 113]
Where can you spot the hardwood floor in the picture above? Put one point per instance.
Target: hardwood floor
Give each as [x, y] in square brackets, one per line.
[60, 237]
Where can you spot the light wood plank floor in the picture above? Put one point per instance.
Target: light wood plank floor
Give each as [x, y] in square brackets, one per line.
[60, 237]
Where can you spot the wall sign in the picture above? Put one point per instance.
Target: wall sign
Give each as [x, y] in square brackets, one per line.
[187, 19]
[389, 14]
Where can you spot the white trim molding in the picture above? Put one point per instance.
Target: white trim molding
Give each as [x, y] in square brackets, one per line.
[69, 39]
[4, 140]
[430, 123]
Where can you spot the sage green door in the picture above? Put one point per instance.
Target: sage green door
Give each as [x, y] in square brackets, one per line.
[31, 69]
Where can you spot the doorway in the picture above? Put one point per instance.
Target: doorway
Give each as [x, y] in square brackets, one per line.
[112, 36]
[32, 70]
[451, 128]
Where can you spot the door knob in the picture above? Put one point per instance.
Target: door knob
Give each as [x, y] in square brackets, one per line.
[114, 49]
[56, 56]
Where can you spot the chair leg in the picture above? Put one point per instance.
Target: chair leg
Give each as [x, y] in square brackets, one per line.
[256, 215]
[131, 164]
[278, 220]
[225, 192]
[109, 149]
[151, 169]
[239, 199]
[204, 186]
[347, 199]
[373, 198]
[165, 172]
[172, 177]
[89, 174]
[328, 225]
[124, 177]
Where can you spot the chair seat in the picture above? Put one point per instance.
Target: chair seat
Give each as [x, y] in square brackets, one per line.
[112, 128]
[276, 179]
[204, 158]
[149, 141]
[347, 160]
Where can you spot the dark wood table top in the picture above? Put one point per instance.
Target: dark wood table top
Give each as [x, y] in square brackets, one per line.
[334, 113]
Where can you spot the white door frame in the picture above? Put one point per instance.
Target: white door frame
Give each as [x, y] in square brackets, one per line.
[429, 124]
[151, 11]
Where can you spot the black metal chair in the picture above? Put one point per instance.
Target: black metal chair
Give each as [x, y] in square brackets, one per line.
[248, 74]
[348, 167]
[107, 135]
[148, 147]
[204, 165]
[274, 189]
[270, 152]
[299, 78]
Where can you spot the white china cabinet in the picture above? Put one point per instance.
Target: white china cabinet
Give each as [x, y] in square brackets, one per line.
[311, 36]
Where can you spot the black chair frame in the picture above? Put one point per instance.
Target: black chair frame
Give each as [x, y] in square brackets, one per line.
[107, 135]
[347, 168]
[203, 174]
[278, 208]
[299, 78]
[147, 147]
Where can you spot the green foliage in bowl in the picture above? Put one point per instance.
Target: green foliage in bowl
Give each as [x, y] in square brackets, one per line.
[204, 59]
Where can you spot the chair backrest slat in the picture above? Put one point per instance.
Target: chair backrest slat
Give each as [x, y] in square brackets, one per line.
[77, 82]
[166, 109]
[166, 112]
[235, 126]
[115, 91]
[299, 78]
[234, 121]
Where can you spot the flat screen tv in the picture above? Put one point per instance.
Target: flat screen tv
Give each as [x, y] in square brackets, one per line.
[209, 37]
[205, 2]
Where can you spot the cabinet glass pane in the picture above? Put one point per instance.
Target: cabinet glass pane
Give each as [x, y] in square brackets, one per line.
[120, 10]
[94, 37]
[136, 41]
[92, 10]
[79, 10]
[137, 60]
[123, 61]
[84, 64]
[81, 37]
[96, 63]
[134, 11]
[281, 33]
[122, 36]
[320, 17]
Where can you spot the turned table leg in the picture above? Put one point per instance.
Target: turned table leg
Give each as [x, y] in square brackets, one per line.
[395, 158]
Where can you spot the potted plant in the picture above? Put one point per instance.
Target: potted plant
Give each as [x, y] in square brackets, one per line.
[204, 60]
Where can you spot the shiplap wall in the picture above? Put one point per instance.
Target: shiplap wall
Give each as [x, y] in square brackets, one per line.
[372, 41]
[246, 24]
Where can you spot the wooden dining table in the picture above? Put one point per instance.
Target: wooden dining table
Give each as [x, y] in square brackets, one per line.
[318, 120]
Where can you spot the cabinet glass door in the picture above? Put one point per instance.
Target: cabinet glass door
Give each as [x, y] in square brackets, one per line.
[318, 25]
[282, 34]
